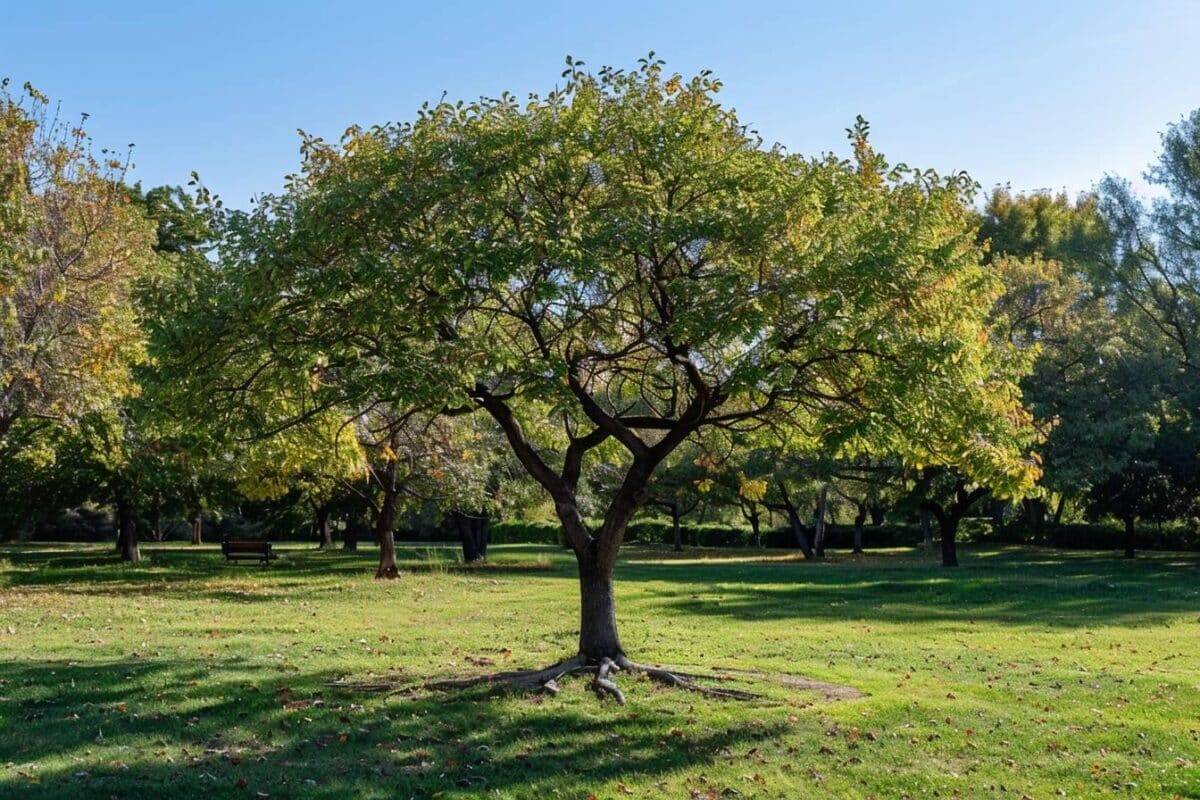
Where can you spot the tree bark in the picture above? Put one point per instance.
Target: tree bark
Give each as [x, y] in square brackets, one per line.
[676, 528]
[324, 532]
[819, 523]
[794, 522]
[948, 528]
[127, 538]
[385, 538]
[197, 527]
[598, 637]
[473, 533]
[1058, 508]
[998, 518]
[1130, 544]
[948, 518]
[156, 529]
[859, 520]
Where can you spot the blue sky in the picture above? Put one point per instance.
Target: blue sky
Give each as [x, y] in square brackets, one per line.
[1036, 94]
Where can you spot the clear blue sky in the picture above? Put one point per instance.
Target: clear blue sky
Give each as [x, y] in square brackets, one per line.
[1036, 94]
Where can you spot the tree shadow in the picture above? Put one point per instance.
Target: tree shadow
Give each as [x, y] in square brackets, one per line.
[1015, 586]
[148, 728]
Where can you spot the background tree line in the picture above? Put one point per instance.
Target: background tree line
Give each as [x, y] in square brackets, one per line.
[508, 338]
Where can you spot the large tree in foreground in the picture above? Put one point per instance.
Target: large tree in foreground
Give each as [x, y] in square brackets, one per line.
[622, 264]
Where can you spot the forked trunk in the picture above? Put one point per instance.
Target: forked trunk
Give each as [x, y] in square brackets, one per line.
[794, 522]
[798, 531]
[1130, 548]
[598, 614]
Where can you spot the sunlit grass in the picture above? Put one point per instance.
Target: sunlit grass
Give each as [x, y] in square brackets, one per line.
[1025, 672]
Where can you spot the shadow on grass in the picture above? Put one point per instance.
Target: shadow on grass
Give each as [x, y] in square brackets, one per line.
[1014, 585]
[1023, 586]
[148, 728]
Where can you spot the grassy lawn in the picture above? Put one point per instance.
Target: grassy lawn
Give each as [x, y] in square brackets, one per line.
[1024, 673]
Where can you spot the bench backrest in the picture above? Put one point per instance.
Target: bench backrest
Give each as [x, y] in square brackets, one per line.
[249, 546]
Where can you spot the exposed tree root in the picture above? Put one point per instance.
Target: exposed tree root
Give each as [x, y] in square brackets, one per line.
[541, 680]
[388, 572]
[604, 683]
[687, 681]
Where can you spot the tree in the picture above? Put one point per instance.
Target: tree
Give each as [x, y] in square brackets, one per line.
[621, 261]
[72, 247]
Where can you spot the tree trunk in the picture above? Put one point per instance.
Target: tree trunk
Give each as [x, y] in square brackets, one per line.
[794, 522]
[156, 528]
[598, 614]
[197, 527]
[324, 532]
[755, 528]
[819, 523]
[676, 529]
[877, 513]
[1058, 508]
[127, 537]
[859, 520]
[926, 530]
[948, 528]
[473, 534]
[1035, 515]
[998, 518]
[385, 538]
[1130, 549]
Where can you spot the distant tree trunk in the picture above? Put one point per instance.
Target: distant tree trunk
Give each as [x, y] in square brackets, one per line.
[127, 536]
[1035, 515]
[755, 523]
[156, 529]
[473, 531]
[948, 529]
[197, 526]
[877, 514]
[386, 539]
[819, 523]
[794, 522]
[676, 528]
[949, 517]
[350, 532]
[926, 530]
[1058, 508]
[1130, 544]
[860, 519]
[324, 531]
[998, 518]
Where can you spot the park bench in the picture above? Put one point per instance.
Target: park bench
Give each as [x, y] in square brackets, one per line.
[247, 550]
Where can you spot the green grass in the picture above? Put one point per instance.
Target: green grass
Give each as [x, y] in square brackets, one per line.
[1024, 673]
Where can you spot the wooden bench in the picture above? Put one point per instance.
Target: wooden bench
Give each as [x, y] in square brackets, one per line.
[247, 550]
